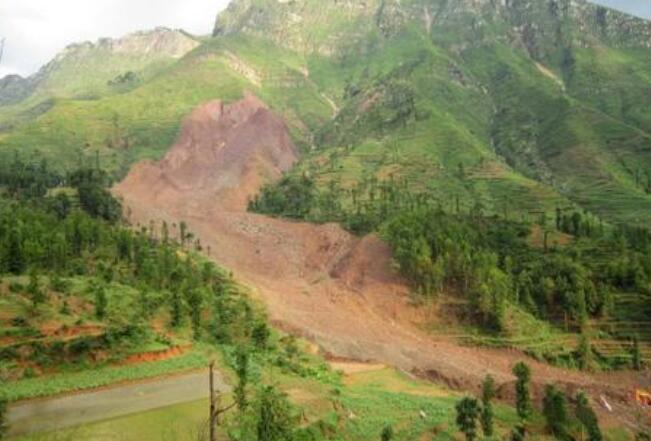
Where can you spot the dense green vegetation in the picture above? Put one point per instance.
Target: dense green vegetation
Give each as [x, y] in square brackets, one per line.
[503, 155]
[80, 290]
[490, 261]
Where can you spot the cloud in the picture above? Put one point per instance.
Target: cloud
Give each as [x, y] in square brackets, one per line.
[35, 30]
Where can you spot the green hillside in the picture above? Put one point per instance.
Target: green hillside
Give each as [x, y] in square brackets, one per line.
[515, 108]
[502, 149]
[88, 71]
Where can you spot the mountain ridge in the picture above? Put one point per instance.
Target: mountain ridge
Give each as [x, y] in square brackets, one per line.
[105, 59]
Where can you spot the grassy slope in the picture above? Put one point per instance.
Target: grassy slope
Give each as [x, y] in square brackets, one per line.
[544, 133]
[428, 148]
[367, 401]
[42, 371]
[86, 73]
[144, 122]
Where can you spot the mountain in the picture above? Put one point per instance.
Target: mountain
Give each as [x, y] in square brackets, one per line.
[84, 69]
[14, 88]
[557, 88]
[397, 181]
[541, 103]
[90, 70]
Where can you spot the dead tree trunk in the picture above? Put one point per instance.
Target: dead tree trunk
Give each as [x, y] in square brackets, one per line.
[215, 411]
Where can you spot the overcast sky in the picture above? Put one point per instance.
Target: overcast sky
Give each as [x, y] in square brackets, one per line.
[35, 30]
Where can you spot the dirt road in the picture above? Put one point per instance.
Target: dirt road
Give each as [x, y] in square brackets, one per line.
[72, 410]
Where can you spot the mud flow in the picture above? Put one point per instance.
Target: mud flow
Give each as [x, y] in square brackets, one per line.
[318, 281]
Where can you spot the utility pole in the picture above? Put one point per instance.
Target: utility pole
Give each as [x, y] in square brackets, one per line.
[215, 411]
[2, 49]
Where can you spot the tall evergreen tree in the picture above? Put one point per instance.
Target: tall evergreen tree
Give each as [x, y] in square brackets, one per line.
[176, 308]
[588, 418]
[101, 301]
[275, 421]
[522, 394]
[487, 395]
[3, 416]
[555, 412]
[14, 254]
[584, 352]
[34, 289]
[242, 371]
[467, 414]
[195, 302]
[260, 335]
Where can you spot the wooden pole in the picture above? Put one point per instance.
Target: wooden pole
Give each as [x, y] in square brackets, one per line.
[213, 411]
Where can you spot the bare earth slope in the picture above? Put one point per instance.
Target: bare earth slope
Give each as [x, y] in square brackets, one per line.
[317, 281]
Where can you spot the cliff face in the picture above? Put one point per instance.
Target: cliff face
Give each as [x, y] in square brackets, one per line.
[89, 69]
[540, 26]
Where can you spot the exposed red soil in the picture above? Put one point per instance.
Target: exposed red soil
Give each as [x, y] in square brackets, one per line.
[317, 281]
[56, 329]
[147, 357]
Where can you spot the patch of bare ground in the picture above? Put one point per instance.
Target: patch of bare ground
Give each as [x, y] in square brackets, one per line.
[319, 282]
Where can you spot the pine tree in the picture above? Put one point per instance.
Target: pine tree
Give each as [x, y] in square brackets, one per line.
[242, 371]
[14, 258]
[584, 352]
[3, 414]
[260, 335]
[176, 308]
[467, 414]
[387, 433]
[555, 412]
[586, 415]
[195, 302]
[522, 394]
[101, 302]
[275, 422]
[34, 288]
[487, 395]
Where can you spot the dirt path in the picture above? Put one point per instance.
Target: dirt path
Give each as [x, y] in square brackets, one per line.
[317, 281]
[62, 412]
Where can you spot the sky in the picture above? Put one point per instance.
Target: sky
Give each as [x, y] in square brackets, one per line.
[641, 8]
[36, 30]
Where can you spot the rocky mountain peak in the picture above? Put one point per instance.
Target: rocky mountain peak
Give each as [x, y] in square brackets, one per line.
[323, 26]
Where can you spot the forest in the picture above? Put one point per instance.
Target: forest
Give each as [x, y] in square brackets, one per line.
[569, 278]
[66, 255]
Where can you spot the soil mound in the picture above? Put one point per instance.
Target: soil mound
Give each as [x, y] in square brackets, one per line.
[317, 281]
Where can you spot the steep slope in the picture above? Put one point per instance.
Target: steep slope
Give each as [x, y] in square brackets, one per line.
[245, 135]
[142, 123]
[88, 69]
[318, 281]
[14, 88]
[91, 70]
[412, 69]
[384, 88]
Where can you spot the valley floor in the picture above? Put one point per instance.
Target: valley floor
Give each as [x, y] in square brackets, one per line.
[43, 415]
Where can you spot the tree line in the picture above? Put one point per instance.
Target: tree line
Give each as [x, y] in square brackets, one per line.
[565, 425]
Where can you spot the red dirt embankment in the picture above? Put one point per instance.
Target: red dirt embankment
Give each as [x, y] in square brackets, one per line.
[318, 281]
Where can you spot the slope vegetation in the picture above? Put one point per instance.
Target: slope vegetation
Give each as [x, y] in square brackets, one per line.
[318, 281]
